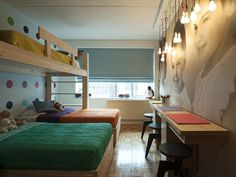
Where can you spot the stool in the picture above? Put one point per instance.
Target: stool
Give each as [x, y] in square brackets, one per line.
[155, 126]
[146, 122]
[178, 152]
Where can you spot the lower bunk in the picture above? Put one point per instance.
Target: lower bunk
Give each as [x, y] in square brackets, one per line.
[70, 115]
[56, 150]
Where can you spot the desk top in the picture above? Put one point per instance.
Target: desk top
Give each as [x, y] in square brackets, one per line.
[187, 132]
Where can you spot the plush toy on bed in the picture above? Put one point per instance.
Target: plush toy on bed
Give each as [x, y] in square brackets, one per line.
[4, 125]
[7, 123]
[7, 119]
[20, 121]
[59, 106]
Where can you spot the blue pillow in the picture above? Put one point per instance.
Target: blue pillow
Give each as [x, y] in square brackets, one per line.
[44, 106]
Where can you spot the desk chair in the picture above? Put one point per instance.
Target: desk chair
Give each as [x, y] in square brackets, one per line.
[178, 152]
[149, 117]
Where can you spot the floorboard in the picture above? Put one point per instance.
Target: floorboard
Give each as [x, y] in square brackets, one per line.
[129, 155]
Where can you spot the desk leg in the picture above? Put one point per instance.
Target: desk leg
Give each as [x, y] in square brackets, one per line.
[167, 135]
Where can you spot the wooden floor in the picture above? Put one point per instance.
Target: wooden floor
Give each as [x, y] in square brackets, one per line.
[129, 155]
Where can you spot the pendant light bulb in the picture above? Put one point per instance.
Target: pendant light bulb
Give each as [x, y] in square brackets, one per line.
[179, 38]
[159, 51]
[197, 8]
[187, 20]
[175, 40]
[170, 48]
[212, 6]
[163, 57]
[166, 48]
[182, 20]
[173, 52]
[193, 16]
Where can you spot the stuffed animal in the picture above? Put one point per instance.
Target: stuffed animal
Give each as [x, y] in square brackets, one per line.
[59, 106]
[20, 121]
[4, 125]
[5, 117]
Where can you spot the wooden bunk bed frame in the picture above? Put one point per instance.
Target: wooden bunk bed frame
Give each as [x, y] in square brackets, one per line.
[13, 56]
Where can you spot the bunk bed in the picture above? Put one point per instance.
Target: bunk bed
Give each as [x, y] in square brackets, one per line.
[16, 49]
[13, 59]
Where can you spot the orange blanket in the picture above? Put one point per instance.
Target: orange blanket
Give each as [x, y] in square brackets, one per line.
[92, 116]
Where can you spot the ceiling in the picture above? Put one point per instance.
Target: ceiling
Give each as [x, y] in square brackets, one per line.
[94, 19]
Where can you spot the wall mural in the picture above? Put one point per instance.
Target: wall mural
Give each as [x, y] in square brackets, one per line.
[178, 59]
[201, 78]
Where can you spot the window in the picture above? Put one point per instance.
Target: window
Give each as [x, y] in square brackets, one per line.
[114, 89]
[120, 71]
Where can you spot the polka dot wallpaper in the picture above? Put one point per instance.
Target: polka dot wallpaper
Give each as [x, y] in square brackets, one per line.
[18, 91]
[11, 19]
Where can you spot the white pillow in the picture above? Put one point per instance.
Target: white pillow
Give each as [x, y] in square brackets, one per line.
[29, 115]
[29, 112]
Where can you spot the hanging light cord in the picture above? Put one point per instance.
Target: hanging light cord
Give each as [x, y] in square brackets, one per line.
[175, 11]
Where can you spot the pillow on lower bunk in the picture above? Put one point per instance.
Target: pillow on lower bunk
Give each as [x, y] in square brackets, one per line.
[44, 106]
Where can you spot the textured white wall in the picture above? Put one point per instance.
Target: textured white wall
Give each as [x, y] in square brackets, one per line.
[203, 81]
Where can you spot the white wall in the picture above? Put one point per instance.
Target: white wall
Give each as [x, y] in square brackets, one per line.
[131, 110]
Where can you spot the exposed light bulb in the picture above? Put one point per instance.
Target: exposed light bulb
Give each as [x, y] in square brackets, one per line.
[159, 51]
[170, 48]
[166, 48]
[163, 57]
[193, 16]
[179, 38]
[186, 18]
[175, 40]
[212, 6]
[197, 8]
[173, 52]
[182, 20]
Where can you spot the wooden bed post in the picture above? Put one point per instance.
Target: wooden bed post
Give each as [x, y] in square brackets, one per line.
[48, 87]
[47, 49]
[85, 101]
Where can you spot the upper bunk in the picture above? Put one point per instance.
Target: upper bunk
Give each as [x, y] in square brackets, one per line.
[20, 51]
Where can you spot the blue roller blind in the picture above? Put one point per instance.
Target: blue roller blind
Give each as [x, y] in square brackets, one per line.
[120, 64]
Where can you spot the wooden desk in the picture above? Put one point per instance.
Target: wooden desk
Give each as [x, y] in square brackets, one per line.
[191, 134]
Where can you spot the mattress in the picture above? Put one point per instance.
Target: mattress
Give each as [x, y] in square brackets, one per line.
[70, 115]
[47, 146]
[22, 41]
[92, 116]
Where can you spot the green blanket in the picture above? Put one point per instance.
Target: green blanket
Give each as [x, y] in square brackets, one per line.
[48, 146]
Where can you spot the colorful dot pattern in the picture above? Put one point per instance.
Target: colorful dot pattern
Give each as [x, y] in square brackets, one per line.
[26, 29]
[24, 103]
[9, 105]
[36, 84]
[9, 84]
[24, 85]
[10, 21]
[37, 36]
